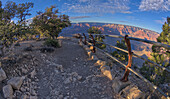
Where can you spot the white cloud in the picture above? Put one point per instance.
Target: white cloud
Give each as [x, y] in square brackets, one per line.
[79, 17]
[97, 6]
[155, 5]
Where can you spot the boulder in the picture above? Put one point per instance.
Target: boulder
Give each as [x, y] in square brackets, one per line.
[106, 71]
[16, 82]
[8, 91]
[118, 85]
[2, 74]
[132, 92]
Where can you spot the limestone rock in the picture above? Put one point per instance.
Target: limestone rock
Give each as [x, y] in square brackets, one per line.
[79, 77]
[60, 43]
[132, 92]
[8, 91]
[16, 82]
[106, 71]
[100, 62]
[2, 74]
[94, 57]
[33, 73]
[89, 54]
[119, 85]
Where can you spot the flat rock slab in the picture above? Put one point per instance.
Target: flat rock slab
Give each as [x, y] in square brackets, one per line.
[132, 92]
[16, 82]
[118, 85]
[8, 91]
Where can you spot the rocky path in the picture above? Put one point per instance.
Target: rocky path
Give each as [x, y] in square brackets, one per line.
[68, 73]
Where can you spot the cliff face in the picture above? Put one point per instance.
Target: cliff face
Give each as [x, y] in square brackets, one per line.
[116, 29]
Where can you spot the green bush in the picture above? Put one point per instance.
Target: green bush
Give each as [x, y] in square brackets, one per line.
[51, 43]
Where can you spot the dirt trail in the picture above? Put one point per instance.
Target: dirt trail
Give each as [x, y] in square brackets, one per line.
[68, 73]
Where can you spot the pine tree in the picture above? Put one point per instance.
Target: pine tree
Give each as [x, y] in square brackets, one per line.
[161, 56]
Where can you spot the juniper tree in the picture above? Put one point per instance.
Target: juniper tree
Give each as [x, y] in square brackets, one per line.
[94, 30]
[50, 22]
[119, 54]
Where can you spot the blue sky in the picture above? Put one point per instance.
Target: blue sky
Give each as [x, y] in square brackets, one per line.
[149, 14]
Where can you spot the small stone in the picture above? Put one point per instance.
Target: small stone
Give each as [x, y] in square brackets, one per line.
[60, 96]
[79, 77]
[74, 74]
[60, 67]
[24, 70]
[33, 73]
[22, 89]
[33, 97]
[68, 80]
[94, 57]
[89, 54]
[16, 82]
[100, 62]
[2, 74]
[8, 91]
[74, 79]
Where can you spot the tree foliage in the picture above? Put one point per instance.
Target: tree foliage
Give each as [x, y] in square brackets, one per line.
[122, 56]
[50, 23]
[9, 30]
[94, 30]
[161, 56]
